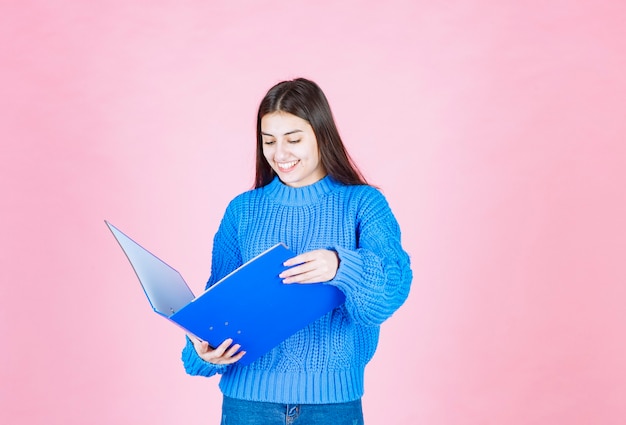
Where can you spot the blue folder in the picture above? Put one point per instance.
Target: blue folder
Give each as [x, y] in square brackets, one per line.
[251, 305]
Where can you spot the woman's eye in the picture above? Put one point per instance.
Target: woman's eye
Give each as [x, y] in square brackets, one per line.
[294, 141]
[268, 142]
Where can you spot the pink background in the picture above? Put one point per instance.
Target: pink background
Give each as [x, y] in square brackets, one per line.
[495, 128]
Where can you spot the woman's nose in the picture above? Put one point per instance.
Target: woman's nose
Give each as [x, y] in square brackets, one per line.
[282, 151]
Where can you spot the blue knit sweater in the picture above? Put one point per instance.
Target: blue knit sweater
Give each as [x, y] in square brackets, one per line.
[325, 362]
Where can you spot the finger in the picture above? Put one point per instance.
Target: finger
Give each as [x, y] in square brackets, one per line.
[220, 349]
[305, 257]
[313, 276]
[297, 270]
[194, 339]
[299, 259]
[232, 350]
[296, 279]
[231, 360]
[317, 275]
[237, 357]
[230, 356]
[198, 344]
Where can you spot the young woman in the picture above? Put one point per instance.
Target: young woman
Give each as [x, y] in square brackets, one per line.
[309, 195]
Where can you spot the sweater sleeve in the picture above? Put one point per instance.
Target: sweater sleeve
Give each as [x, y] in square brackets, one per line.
[376, 277]
[226, 257]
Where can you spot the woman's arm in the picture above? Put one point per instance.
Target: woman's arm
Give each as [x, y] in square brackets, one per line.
[376, 277]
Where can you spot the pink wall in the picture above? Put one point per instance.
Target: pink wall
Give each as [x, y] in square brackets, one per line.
[495, 128]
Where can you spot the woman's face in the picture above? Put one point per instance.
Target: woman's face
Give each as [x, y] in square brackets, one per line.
[290, 148]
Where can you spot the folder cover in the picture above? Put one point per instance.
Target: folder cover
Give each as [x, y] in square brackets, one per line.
[251, 305]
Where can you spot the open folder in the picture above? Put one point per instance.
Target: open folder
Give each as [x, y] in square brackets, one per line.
[251, 305]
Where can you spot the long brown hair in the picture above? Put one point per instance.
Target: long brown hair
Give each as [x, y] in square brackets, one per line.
[304, 99]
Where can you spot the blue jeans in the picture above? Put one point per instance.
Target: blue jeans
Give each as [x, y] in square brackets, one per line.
[242, 412]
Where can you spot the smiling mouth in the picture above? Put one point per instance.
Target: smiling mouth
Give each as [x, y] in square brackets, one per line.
[285, 166]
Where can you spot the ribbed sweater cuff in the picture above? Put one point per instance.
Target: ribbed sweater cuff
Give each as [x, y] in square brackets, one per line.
[350, 271]
[293, 387]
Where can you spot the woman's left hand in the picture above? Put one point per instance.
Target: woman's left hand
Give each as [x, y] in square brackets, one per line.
[311, 267]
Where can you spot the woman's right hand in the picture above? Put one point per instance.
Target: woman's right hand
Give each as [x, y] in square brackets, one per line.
[222, 354]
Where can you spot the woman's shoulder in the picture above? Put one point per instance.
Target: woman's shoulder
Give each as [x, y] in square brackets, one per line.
[365, 194]
[244, 198]
[366, 202]
[364, 190]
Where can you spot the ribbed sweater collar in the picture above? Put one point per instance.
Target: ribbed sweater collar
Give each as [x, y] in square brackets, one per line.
[298, 196]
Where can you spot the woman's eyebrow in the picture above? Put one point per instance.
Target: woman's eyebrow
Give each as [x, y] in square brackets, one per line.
[286, 134]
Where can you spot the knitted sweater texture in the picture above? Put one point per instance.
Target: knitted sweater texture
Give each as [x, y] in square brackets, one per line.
[325, 362]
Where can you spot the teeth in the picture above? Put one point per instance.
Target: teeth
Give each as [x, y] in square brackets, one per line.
[286, 165]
